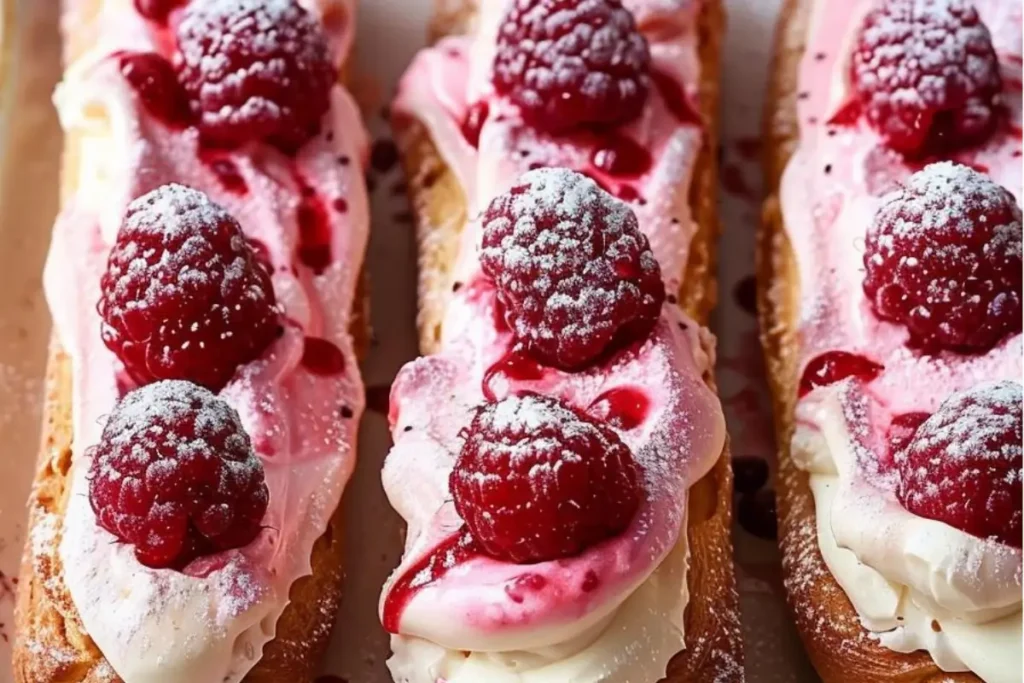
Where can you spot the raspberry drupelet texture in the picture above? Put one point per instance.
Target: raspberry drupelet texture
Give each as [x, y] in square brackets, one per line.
[943, 257]
[538, 480]
[963, 464]
[183, 296]
[926, 74]
[175, 476]
[567, 63]
[254, 70]
[575, 274]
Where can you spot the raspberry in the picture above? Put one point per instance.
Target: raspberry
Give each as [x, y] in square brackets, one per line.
[963, 465]
[254, 70]
[573, 271]
[538, 480]
[926, 74]
[153, 79]
[943, 257]
[567, 63]
[184, 296]
[175, 476]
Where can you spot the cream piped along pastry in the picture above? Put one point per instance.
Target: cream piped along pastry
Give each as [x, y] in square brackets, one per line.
[890, 274]
[203, 392]
[560, 457]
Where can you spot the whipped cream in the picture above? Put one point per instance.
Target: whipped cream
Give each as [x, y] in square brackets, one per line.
[482, 619]
[916, 583]
[208, 623]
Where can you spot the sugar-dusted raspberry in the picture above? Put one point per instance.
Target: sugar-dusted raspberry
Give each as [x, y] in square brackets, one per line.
[963, 465]
[538, 480]
[254, 70]
[184, 296]
[175, 475]
[573, 271]
[926, 74]
[943, 257]
[567, 63]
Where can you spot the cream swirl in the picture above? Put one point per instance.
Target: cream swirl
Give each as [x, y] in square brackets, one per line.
[210, 622]
[588, 618]
[907, 576]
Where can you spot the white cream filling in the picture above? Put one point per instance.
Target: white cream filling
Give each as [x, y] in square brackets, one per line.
[646, 631]
[957, 597]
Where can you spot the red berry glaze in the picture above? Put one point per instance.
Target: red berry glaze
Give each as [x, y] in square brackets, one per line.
[184, 295]
[573, 271]
[567, 63]
[156, 10]
[538, 480]
[154, 81]
[926, 74]
[963, 465]
[835, 366]
[175, 476]
[943, 257]
[254, 70]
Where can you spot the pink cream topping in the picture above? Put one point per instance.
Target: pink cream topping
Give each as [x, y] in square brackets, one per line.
[831, 192]
[300, 402]
[652, 392]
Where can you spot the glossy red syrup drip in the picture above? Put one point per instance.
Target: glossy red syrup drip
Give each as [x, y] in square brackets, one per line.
[314, 230]
[513, 366]
[834, 366]
[322, 357]
[156, 10]
[226, 171]
[620, 155]
[624, 407]
[452, 552]
[675, 99]
[847, 115]
[627, 193]
[473, 123]
[154, 81]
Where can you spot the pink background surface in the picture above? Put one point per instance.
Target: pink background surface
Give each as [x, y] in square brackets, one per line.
[389, 33]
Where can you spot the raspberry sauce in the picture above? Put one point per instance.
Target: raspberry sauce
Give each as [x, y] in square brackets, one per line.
[624, 407]
[474, 122]
[620, 155]
[513, 366]
[226, 171]
[452, 552]
[675, 99]
[322, 357]
[314, 230]
[835, 366]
